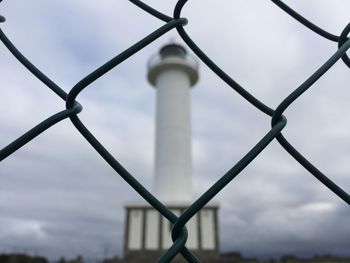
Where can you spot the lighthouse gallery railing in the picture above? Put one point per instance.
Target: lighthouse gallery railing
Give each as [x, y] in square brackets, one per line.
[278, 120]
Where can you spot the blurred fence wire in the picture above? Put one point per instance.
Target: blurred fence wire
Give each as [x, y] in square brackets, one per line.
[278, 120]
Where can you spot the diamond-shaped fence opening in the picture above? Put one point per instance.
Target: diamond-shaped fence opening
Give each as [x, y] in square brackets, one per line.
[178, 23]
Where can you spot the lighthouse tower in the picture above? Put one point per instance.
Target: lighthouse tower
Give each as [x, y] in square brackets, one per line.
[172, 72]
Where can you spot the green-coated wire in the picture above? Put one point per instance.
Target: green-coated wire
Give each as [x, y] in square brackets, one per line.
[278, 121]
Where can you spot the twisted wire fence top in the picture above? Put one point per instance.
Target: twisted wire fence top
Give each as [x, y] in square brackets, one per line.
[178, 23]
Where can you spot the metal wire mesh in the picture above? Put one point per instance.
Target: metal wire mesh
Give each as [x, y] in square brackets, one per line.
[278, 120]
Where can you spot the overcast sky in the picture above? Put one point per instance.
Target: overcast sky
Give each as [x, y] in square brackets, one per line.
[58, 196]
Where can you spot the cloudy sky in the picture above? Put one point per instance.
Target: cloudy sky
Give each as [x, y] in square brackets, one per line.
[58, 196]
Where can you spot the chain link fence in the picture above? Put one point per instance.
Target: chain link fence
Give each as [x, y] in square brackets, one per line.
[278, 120]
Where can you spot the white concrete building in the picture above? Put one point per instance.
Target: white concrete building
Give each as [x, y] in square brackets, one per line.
[172, 72]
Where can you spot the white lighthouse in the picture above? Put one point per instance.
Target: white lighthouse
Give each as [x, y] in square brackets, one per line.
[172, 72]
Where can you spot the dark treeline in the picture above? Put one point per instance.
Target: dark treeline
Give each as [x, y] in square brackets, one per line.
[23, 258]
[226, 258]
